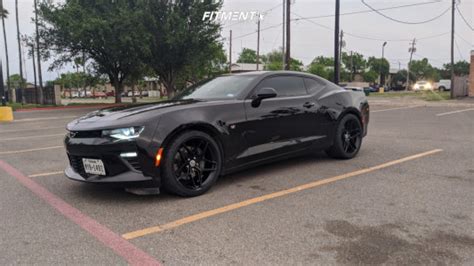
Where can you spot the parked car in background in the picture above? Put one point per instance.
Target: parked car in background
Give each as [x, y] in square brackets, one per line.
[422, 85]
[444, 85]
[110, 93]
[99, 94]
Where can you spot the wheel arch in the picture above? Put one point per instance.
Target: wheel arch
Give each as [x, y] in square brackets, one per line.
[198, 126]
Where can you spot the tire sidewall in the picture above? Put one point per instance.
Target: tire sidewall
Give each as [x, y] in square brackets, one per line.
[338, 147]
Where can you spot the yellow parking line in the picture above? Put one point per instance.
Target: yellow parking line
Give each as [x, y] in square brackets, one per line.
[395, 108]
[46, 174]
[33, 137]
[234, 206]
[30, 150]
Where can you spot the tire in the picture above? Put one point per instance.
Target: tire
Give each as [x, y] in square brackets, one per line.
[348, 129]
[188, 162]
[442, 88]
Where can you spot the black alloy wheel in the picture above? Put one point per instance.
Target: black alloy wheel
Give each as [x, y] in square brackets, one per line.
[348, 138]
[192, 164]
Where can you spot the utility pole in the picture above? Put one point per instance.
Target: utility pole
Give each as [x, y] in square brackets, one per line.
[2, 88]
[339, 57]
[283, 35]
[453, 6]
[412, 49]
[288, 39]
[336, 43]
[258, 42]
[230, 52]
[38, 56]
[382, 78]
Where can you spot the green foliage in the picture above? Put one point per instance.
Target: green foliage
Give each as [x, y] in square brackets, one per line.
[400, 79]
[422, 69]
[179, 38]
[461, 68]
[325, 61]
[355, 63]
[78, 80]
[16, 81]
[273, 61]
[108, 32]
[370, 76]
[247, 56]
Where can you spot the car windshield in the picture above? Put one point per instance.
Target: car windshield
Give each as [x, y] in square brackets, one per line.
[224, 87]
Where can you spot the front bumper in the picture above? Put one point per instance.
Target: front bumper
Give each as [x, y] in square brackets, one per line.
[130, 171]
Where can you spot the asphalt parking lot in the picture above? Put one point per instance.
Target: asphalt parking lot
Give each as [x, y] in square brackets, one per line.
[408, 198]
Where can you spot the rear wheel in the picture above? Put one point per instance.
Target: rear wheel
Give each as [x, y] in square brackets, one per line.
[442, 88]
[192, 164]
[348, 138]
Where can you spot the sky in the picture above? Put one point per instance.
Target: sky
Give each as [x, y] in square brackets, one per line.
[311, 39]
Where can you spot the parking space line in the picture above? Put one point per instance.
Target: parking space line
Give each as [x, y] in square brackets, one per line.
[238, 205]
[455, 112]
[396, 108]
[47, 174]
[30, 150]
[43, 118]
[33, 137]
[120, 246]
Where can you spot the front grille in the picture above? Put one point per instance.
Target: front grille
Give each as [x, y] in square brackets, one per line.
[85, 134]
[133, 161]
[76, 164]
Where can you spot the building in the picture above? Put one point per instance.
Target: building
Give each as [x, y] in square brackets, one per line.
[471, 75]
[244, 67]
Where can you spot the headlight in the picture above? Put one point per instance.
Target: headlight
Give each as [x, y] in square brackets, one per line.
[123, 133]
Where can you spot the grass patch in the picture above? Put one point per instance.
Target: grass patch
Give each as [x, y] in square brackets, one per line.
[422, 95]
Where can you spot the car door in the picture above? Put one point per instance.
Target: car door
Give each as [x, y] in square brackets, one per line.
[282, 124]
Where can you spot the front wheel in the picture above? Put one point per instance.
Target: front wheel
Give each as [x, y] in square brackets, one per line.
[348, 138]
[192, 163]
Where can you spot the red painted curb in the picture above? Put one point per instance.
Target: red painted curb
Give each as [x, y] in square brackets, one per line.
[67, 107]
[120, 246]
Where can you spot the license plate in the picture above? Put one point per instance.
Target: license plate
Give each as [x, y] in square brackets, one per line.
[93, 166]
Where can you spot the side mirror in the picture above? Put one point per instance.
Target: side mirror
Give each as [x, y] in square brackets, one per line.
[263, 93]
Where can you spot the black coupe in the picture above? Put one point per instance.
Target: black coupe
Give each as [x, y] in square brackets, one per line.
[215, 127]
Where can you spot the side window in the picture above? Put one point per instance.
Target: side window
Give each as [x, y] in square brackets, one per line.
[314, 86]
[285, 86]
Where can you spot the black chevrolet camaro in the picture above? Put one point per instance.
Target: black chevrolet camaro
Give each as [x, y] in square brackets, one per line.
[215, 127]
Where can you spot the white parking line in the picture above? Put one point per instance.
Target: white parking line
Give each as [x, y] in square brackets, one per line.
[31, 150]
[33, 137]
[455, 112]
[31, 129]
[43, 118]
[396, 108]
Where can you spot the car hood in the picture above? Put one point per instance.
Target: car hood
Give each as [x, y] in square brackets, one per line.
[126, 115]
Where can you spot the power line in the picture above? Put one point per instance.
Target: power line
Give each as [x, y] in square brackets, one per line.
[369, 38]
[370, 11]
[463, 18]
[459, 50]
[466, 41]
[267, 28]
[405, 22]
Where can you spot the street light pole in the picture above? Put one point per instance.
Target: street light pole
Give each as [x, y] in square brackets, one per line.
[381, 67]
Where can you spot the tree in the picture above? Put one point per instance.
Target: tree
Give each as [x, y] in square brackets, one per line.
[422, 69]
[380, 66]
[4, 15]
[325, 61]
[17, 81]
[355, 63]
[179, 37]
[370, 76]
[319, 70]
[110, 33]
[247, 56]
[273, 61]
[18, 36]
[400, 78]
[461, 68]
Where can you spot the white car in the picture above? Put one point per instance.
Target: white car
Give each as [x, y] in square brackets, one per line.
[444, 85]
[422, 85]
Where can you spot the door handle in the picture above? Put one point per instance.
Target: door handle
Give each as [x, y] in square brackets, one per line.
[309, 104]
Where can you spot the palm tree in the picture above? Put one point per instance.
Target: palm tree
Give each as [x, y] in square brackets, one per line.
[18, 36]
[4, 15]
